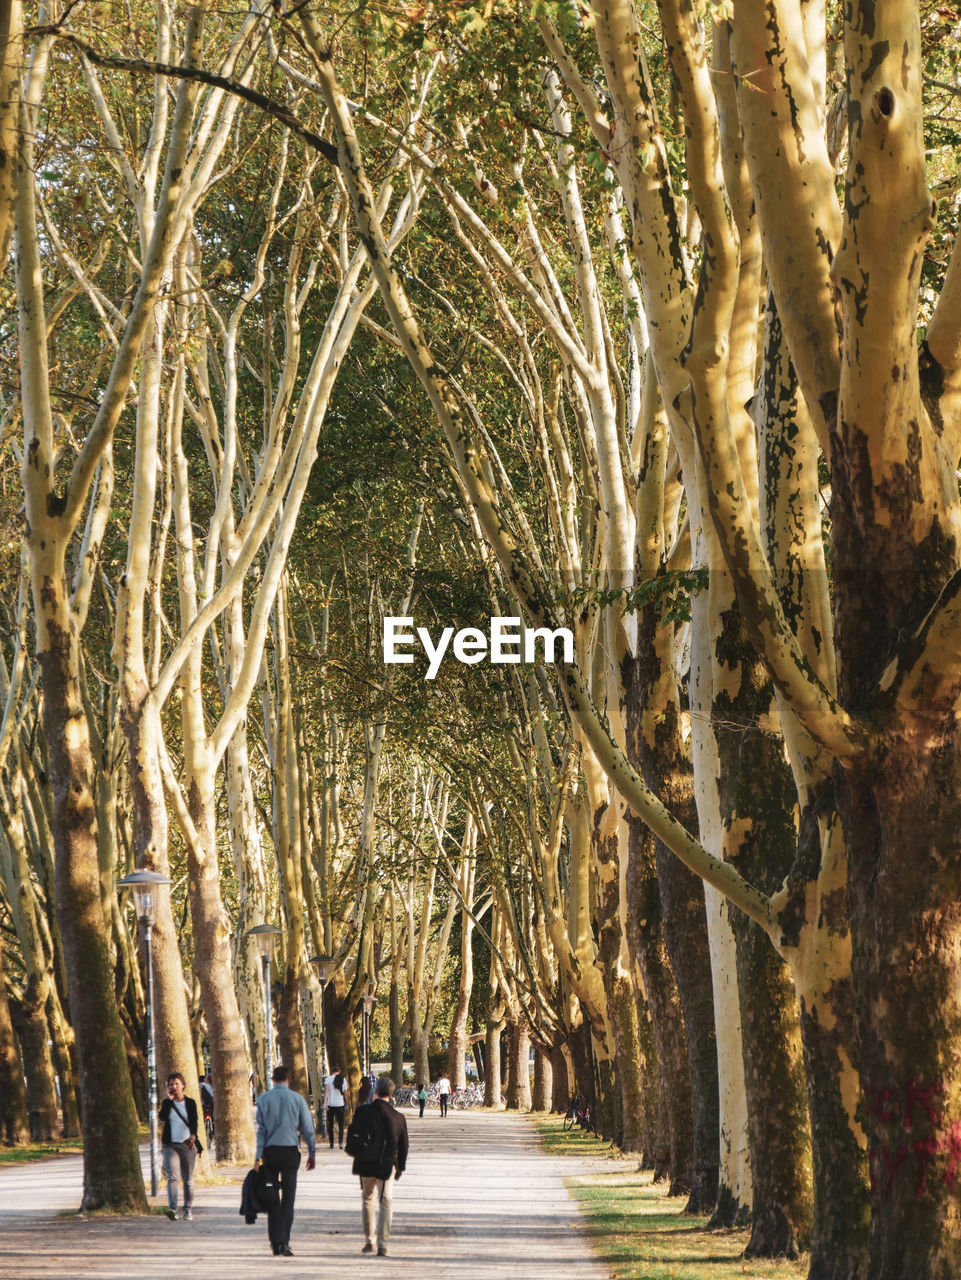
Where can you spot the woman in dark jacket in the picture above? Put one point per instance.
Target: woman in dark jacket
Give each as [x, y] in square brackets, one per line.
[181, 1146]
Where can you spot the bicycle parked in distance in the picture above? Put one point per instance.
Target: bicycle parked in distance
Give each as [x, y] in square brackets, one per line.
[468, 1098]
[578, 1113]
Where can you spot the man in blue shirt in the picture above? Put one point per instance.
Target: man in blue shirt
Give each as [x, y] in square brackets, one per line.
[281, 1113]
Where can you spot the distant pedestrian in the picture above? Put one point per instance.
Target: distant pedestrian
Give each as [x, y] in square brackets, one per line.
[378, 1141]
[363, 1091]
[281, 1113]
[181, 1146]
[335, 1100]
[443, 1088]
[422, 1099]
[207, 1106]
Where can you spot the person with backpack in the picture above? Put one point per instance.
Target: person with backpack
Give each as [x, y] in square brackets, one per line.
[377, 1140]
[335, 1100]
[281, 1113]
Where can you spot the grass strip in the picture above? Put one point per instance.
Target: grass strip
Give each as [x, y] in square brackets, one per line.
[40, 1151]
[639, 1231]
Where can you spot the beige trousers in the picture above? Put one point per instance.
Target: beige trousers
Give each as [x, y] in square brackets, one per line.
[374, 1190]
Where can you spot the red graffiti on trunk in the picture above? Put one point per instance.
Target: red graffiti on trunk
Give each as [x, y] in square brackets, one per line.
[904, 1111]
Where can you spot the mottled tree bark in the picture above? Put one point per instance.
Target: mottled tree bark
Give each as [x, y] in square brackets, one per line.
[290, 1033]
[655, 741]
[396, 1035]
[518, 1069]
[758, 799]
[675, 1116]
[492, 1063]
[14, 1127]
[543, 1089]
[562, 1083]
[61, 1049]
[457, 1050]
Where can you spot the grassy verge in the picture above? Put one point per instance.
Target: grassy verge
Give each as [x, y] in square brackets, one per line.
[40, 1151]
[639, 1232]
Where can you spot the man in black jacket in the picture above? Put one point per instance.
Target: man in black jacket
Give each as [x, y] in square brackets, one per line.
[181, 1146]
[379, 1173]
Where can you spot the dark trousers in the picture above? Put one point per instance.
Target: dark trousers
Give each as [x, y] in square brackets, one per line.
[423, 1104]
[338, 1114]
[443, 1103]
[284, 1162]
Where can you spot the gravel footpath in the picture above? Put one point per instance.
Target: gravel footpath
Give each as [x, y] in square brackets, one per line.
[480, 1201]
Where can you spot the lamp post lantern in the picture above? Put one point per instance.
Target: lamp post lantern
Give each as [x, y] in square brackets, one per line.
[325, 967]
[266, 936]
[145, 886]
[369, 1001]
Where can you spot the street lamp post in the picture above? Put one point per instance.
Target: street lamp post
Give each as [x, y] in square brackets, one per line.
[325, 967]
[369, 1001]
[145, 886]
[266, 936]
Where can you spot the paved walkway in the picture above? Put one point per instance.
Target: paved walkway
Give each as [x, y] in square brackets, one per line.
[479, 1201]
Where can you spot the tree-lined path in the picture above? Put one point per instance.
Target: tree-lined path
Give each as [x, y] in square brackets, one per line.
[480, 1198]
[480, 532]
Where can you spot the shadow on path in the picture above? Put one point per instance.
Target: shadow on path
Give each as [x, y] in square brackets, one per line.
[480, 1201]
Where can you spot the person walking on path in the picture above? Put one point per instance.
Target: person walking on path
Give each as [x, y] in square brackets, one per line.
[422, 1099]
[280, 1114]
[181, 1146]
[443, 1086]
[335, 1100]
[382, 1164]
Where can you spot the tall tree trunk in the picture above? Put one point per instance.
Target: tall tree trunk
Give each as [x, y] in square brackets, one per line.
[907, 940]
[651, 1077]
[492, 1062]
[758, 798]
[213, 966]
[685, 935]
[620, 1119]
[655, 742]
[396, 1035]
[31, 1026]
[141, 717]
[816, 932]
[61, 1048]
[252, 900]
[543, 1090]
[14, 1126]
[286, 795]
[343, 1046]
[457, 1050]
[735, 1192]
[141, 721]
[290, 1032]
[562, 1080]
[418, 1042]
[663, 1001]
[112, 1174]
[519, 1071]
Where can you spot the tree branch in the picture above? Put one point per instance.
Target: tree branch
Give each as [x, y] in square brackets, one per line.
[11, 53]
[473, 472]
[926, 676]
[141, 66]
